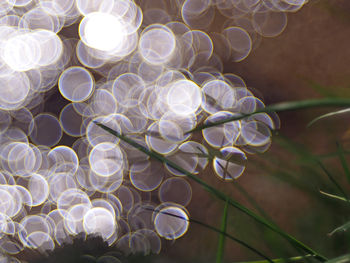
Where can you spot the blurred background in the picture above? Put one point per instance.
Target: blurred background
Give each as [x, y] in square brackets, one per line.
[310, 59]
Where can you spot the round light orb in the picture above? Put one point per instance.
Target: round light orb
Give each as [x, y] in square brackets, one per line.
[240, 42]
[157, 44]
[14, 89]
[171, 222]
[45, 129]
[99, 220]
[76, 84]
[102, 31]
[231, 164]
[184, 97]
[106, 159]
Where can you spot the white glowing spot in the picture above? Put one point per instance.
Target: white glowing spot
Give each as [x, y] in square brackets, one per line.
[102, 31]
[157, 44]
[106, 159]
[26, 51]
[99, 220]
[21, 52]
[184, 97]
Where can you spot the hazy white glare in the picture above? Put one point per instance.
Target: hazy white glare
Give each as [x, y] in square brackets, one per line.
[102, 31]
[184, 97]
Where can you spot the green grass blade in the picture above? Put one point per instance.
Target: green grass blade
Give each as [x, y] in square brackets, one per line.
[327, 115]
[222, 233]
[267, 259]
[334, 196]
[341, 259]
[342, 228]
[215, 192]
[331, 154]
[324, 91]
[212, 153]
[282, 260]
[343, 161]
[331, 178]
[221, 245]
[279, 107]
[231, 158]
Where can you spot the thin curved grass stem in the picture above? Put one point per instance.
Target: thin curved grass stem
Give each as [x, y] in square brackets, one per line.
[331, 178]
[279, 107]
[283, 260]
[343, 162]
[214, 191]
[223, 233]
[221, 244]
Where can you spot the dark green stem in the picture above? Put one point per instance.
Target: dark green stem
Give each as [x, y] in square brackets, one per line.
[223, 233]
[215, 192]
[221, 245]
[279, 107]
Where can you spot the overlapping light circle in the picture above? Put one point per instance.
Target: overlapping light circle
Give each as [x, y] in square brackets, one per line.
[143, 72]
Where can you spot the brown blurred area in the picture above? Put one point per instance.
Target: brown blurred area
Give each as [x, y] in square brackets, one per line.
[310, 59]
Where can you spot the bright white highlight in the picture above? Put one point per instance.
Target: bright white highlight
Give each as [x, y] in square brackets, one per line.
[99, 220]
[102, 31]
[184, 97]
[26, 51]
[106, 159]
[21, 52]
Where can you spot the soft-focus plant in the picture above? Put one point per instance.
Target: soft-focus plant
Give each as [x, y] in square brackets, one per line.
[298, 105]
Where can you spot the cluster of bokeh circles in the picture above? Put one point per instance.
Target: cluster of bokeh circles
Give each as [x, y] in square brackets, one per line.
[152, 70]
